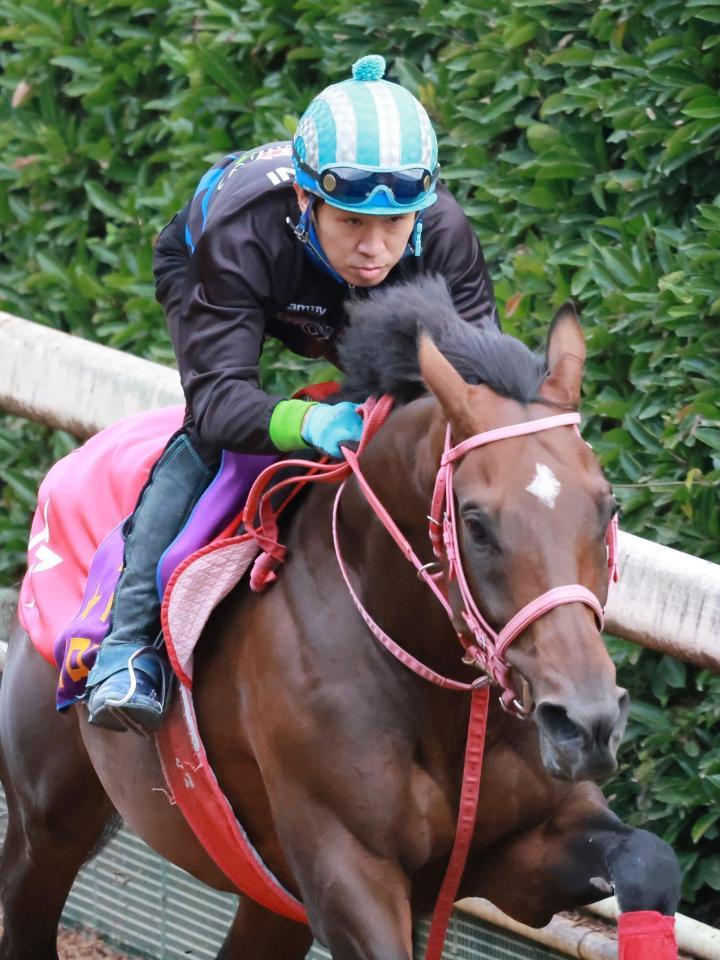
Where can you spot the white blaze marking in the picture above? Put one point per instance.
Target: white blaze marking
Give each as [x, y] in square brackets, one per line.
[545, 485]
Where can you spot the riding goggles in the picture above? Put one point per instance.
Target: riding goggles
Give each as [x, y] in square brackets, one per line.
[350, 185]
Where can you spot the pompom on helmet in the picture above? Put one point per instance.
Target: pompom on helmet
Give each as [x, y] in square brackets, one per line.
[367, 145]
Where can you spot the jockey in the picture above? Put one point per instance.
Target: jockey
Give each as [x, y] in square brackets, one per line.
[273, 244]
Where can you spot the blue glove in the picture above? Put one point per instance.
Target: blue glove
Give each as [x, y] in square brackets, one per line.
[327, 425]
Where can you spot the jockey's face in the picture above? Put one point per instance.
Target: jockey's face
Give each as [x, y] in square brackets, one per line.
[363, 249]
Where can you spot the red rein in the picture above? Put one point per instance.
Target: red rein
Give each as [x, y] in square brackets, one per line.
[482, 645]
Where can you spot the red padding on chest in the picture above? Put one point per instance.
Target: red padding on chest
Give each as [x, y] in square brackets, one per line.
[646, 935]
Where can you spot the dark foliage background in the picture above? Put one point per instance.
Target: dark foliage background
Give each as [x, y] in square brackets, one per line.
[583, 140]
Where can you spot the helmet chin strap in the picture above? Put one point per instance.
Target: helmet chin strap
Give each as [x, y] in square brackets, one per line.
[306, 233]
[415, 241]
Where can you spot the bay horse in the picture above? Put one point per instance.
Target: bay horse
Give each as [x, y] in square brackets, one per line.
[343, 766]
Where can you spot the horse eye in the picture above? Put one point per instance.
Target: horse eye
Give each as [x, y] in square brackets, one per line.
[611, 509]
[477, 526]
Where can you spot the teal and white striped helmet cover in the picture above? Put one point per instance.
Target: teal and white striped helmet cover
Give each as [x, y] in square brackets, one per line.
[369, 124]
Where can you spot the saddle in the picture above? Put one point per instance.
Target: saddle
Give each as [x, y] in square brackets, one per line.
[82, 505]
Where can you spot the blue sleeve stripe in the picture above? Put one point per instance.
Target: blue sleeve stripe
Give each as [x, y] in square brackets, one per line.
[212, 183]
[201, 199]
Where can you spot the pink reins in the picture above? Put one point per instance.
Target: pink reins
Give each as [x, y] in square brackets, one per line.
[483, 647]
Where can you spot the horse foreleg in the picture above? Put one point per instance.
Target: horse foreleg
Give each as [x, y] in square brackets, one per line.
[257, 934]
[357, 901]
[573, 859]
[57, 810]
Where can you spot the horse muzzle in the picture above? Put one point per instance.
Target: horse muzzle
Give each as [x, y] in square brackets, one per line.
[580, 742]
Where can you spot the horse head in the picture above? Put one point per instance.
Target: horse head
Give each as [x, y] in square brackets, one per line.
[532, 515]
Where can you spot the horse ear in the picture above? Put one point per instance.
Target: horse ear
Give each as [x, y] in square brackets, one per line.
[565, 358]
[443, 380]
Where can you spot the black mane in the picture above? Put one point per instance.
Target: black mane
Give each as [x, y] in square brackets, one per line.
[379, 350]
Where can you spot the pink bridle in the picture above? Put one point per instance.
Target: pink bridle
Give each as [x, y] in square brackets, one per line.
[485, 647]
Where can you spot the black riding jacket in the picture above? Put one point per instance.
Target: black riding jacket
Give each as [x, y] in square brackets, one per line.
[230, 272]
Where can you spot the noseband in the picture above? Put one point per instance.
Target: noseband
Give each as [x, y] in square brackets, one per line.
[483, 647]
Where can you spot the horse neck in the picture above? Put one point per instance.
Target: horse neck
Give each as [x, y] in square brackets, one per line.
[402, 462]
[400, 466]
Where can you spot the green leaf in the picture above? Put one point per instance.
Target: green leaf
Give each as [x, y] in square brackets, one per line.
[562, 170]
[709, 436]
[703, 107]
[104, 201]
[710, 871]
[573, 56]
[540, 197]
[306, 53]
[26, 491]
[499, 106]
[703, 824]
[619, 266]
[521, 35]
[650, 717]
[542, 135]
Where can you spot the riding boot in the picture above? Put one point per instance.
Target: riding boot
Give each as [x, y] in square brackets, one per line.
[128, 684]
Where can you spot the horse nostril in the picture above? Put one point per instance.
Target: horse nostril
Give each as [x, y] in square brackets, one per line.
[555, 722]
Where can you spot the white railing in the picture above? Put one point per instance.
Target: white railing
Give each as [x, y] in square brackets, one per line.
[665, 600]
[73, 384]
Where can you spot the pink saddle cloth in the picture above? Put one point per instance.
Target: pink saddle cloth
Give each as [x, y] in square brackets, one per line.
[83, 500]
[77, 543]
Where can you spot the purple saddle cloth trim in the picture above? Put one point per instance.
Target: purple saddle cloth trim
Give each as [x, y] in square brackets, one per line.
[223, 500]
[76, 648]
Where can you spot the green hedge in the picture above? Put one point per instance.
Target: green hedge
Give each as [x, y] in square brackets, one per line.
[584, 141]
